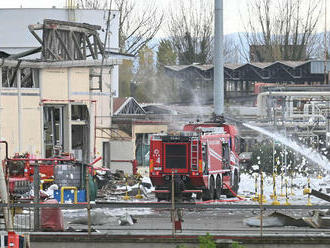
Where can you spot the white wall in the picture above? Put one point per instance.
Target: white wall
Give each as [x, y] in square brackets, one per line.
[121, 150]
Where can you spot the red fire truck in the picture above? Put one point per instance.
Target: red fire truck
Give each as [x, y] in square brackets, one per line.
[203, 159]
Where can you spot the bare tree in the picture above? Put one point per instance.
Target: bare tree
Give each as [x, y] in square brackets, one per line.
[138, 23]
[190, 31]
[93, 4]
[281, 29]
[231, 52]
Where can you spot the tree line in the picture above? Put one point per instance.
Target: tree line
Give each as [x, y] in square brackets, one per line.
[274, 30]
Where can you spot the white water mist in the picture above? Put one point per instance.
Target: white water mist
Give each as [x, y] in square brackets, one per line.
[309, 153]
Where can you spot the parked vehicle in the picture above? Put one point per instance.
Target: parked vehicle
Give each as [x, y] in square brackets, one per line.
[202, 159]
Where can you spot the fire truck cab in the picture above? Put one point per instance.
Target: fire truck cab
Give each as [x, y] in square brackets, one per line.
[202, 159]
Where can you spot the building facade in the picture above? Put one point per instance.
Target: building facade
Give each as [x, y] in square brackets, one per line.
[58, 111]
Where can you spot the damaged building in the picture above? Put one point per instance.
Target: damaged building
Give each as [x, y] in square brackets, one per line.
[61, 102]
[58, 92]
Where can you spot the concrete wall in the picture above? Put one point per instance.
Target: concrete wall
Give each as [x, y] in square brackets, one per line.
[121, 150]
[20, 107]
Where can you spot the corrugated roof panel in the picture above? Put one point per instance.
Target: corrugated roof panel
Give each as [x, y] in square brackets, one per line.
[293, 64]
[203, 67]
[176, 67]
[261, 65]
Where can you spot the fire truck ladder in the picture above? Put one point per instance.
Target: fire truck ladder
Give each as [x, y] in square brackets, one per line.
[194, 154]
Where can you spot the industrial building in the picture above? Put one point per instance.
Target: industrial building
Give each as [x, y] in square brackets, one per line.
[239, 80]
[57, 88]
[56, 105]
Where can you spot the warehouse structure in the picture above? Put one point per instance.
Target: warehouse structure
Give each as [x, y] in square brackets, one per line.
[197, 80]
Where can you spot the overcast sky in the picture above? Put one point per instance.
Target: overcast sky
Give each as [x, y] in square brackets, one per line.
[232, 10]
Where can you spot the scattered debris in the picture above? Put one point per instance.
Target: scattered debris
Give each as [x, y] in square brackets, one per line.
[276, 219]
[97, 218]
[127, 220]
[118, 183]
[71, 229]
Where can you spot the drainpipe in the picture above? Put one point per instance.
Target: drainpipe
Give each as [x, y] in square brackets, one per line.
[19, 106]
[69, 131]
[42, 136]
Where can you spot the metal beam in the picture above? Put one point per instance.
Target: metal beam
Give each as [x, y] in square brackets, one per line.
[60, 64]
[68, 52]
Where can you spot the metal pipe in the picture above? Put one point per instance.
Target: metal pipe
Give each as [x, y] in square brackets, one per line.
[60, 64]
[68, 116]
[218, 90]
[19, 108]
[95, 161]
[95, 110]
[6, 143]
[261, 104]
[36, 200]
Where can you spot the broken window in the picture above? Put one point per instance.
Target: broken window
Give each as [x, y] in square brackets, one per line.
[29, 77]
[80, 132]
[9, 79]
[79, 112]
[53, 130]
[95, 80]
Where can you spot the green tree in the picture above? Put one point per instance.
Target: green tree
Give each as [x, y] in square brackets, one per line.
[165, 54]
[165, 87]
[207, 241]
[125, 78]
[145, 76]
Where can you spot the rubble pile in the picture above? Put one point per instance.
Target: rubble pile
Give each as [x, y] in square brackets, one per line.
[115, 184]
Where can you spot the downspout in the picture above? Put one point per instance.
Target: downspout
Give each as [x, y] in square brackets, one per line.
[19, 106]
[69, 115]
[42, 141]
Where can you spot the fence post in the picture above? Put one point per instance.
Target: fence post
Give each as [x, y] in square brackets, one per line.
[36, 189]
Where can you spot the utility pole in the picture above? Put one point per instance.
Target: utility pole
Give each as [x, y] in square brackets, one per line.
[326, 74]
[325, 43]
[36, 201]
[218, 83]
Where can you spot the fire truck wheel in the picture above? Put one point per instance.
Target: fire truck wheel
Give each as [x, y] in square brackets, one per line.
[234, 186]
[212, 188]
[206, 195]
[218, 190]
[236, 182]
